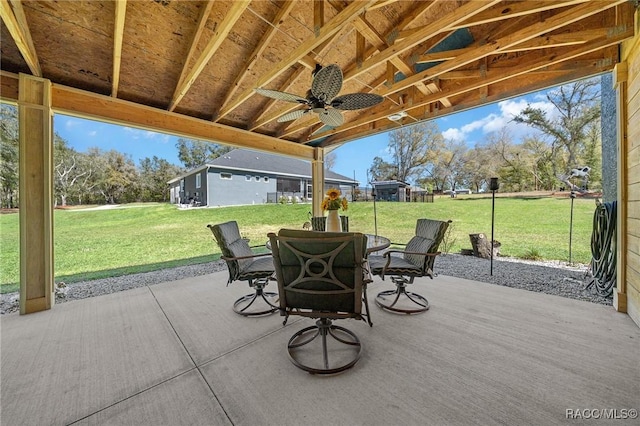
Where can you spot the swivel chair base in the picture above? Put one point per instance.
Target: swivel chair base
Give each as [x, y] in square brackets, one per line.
[413, 302]
[310, 362]
[266, 302]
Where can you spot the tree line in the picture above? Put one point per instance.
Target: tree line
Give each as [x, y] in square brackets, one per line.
[566, 139]
[97, 176]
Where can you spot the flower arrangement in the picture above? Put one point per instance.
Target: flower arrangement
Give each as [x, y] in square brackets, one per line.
[333, 201]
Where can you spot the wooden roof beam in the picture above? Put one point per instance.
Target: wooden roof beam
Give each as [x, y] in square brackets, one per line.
[284, 11]
[121, 10]
[379, 43]
[221, 32]
[443, 24]
[202, 21]
[495, 76]
[559, 20]
[332, 27]
[495, 14]
[541, 42]
[16, 22]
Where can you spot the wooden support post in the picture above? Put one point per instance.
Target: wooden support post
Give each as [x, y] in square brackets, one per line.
[620, 75]
[317, 180]
[36, 194]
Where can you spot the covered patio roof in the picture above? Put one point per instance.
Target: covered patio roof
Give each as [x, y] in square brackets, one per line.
[160, 64]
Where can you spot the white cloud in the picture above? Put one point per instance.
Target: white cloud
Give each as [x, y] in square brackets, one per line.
[504, 118]
[93, 133]
[71, 123]
[453, 134]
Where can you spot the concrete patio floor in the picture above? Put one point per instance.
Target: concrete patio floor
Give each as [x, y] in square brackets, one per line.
[175, 353]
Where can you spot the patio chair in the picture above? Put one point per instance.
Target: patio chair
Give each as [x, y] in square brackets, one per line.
[319, 223]
[403, 266]
[321, 275]
[244, 265]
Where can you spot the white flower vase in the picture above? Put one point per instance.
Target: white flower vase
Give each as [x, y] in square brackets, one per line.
[333, 222]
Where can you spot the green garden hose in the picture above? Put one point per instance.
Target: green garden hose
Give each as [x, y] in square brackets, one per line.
[603, 249]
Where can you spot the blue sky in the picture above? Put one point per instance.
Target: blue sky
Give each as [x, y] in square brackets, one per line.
[355, 157]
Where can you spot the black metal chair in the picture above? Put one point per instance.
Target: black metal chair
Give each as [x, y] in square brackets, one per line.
[321, 275]
[245, 265]
[403, 266]
[319, 223]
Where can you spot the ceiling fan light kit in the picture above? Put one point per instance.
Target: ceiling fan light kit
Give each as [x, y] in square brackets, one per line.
[397, 116]
[321, 98]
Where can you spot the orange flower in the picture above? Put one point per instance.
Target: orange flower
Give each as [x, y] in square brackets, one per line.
[333, 193]
[333, 201]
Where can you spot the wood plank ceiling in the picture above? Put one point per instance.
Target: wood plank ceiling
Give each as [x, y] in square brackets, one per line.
[204, 59]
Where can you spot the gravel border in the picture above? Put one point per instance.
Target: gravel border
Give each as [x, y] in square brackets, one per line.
[551, 277]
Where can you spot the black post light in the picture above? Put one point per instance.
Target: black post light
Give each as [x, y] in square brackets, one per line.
[573, 196]
[493, 186]
[375, 214]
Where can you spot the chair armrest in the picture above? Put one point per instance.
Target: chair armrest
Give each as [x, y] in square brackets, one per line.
[245, 257]
[387, 254]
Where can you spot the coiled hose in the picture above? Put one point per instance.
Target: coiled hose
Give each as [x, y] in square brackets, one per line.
[603, 249]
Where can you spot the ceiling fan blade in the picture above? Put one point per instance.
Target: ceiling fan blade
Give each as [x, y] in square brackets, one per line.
[356, 101]
[331, 117]
[293, 115]
[327, 83]
[281, 96]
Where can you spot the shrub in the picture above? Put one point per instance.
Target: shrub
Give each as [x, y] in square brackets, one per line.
[532, 254]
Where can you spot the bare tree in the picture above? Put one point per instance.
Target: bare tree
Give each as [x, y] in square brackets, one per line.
[412, 149]
[578, 106]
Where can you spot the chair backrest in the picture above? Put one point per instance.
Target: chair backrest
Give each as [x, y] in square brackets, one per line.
[320, 274]
[429, 235]
[231, 244]
[319, 223]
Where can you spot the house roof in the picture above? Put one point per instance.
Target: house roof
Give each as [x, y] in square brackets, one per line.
[191, 67]
[389, 183]
[245, 160]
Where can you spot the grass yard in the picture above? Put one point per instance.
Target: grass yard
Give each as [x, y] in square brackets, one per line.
[98, 243]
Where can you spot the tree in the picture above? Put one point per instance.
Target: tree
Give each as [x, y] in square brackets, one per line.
[578, 106]
[154, 174]
[9, 150]
[71, 169]
[330, 160]
[381, 170]
[480, 165]
[193, 153]
[412, 149]
[119, 179]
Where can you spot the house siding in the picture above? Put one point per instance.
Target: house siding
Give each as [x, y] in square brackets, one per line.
[238, 190]
[627, 296]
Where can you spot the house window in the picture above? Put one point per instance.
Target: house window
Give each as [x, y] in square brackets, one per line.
[266, 179]
[257, 178]
[247, 178]
[225, 175]
[198, 180]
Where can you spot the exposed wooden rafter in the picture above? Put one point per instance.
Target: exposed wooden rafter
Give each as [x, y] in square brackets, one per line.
[492, 77]
[222, 30]
[16, 22]
[121, 10]
[202, 21]
[285, 9]
[336, 24]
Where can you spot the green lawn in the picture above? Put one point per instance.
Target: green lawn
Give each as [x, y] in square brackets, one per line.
[92, 244]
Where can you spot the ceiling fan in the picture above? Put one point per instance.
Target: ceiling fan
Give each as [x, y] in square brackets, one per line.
[321, 98]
